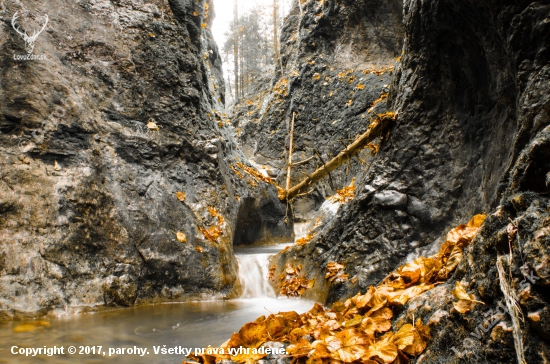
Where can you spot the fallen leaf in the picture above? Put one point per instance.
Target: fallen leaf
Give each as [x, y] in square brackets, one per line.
[181, 237]
[180, 196]
[383, 349]
[304, 240]
[466, 302]
[351, 344]
[344, 195]
[152, 126]
[31, 326]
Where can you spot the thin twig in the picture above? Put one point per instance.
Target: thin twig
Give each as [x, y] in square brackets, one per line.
[289, 170]
[304, 194]
[304, 161]
[324, 165]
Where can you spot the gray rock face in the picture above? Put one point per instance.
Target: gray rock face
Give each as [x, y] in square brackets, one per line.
[390, 198]
[327, 57]
[473, 98]
[95, 141]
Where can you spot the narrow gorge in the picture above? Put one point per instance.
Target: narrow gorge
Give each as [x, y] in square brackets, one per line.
[133, 191]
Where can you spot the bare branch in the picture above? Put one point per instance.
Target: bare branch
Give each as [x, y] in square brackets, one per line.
[381, 125]
[304, 161]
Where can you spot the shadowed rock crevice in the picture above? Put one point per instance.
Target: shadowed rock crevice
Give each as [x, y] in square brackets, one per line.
[262, 222]
[471, 136]
[95, 143]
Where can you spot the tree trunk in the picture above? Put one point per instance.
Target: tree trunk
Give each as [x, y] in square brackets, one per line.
[236, 48]
[275, 36]
[290, 148]
[384, 122]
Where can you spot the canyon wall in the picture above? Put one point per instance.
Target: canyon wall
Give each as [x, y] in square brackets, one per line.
[118, 182]
[327, 57]
[472, 95]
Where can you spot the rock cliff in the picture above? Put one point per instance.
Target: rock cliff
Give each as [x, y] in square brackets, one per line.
[334, 74]
[472, 96]
[112, 141]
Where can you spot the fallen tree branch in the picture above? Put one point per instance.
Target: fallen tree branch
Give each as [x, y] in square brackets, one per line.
[324, 164]
[514, 310]
[304, 161]
[289, 171]
[376, 129]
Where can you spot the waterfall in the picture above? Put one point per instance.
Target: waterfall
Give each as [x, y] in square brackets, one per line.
[253, 270]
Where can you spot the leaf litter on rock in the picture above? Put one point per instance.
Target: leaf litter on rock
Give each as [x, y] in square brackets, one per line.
[357, 330]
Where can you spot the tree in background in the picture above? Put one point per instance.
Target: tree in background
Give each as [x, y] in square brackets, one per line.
[275, 36]
[252, 46]
[235, 27]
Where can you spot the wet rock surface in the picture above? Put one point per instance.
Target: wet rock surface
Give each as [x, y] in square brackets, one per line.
[95, 142]
[88, 207]
[328, 55]
[471, 89]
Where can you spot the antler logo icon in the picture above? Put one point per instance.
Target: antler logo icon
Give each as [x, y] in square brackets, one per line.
[29, 40]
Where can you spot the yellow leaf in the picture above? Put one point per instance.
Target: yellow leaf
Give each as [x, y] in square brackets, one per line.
[384, 349]
[466, 302]
[181, 237]
[199, 249]
[180, 196]
[301, 348]
[404, 337]
[352, 345]
[381, 319]
[419, 340]
[321, 352]
[251, 335]
[452, 261]
[477, 221]
[356, 321]
[152, 125]
[365, 300]
[31, 326]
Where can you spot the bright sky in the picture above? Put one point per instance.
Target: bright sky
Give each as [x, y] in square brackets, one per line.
[224, 14]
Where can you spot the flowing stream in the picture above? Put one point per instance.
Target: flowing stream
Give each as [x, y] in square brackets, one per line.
[253, 270]
[189, 325]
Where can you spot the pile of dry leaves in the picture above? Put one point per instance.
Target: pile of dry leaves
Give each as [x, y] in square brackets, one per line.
[290, 282]
[305, 239]
[336, 272]
[214, 232]
[357, 330]
[344, 195]
[256, 176]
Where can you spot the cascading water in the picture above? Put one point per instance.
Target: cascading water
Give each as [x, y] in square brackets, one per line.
[253, 275]
[191, 324]
[253, 270]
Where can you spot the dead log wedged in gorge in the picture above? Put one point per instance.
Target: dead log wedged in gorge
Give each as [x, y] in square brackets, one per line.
[376, 129]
